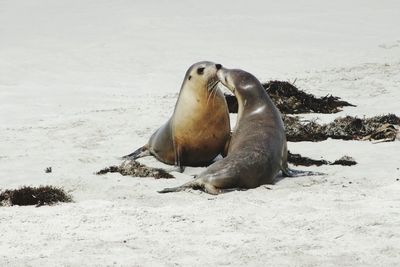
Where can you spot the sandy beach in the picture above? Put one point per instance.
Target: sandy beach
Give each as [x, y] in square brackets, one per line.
[85, 82]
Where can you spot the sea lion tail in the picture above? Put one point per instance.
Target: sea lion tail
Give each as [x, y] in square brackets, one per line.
[195, 184]
[138, 153]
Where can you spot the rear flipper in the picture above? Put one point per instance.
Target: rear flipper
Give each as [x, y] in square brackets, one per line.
[285, 169]
[195, 184]
[288, 172]
[296, 173]
[192, 184]
[139, 153]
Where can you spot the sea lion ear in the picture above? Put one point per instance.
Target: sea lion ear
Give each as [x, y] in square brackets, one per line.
[200, 71]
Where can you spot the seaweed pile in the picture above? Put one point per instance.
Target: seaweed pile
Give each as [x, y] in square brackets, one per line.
[135, 169]
[39, 196]
[297, 159]
[290, 100]
[346, 128]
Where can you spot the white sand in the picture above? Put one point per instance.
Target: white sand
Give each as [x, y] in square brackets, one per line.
[83, 82]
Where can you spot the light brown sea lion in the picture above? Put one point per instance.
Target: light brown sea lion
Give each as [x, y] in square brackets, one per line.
[199, 127]
[257, 149]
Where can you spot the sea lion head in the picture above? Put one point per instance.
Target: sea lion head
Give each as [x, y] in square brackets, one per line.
[202, 75]
[239, 82]
[247, 89]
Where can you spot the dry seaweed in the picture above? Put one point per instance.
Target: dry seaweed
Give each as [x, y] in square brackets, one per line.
[134, 168]
[297, 131]
[386, 133]
[346, 128]
[344, 161]
[297, 159]
[39, 196]
[290, 100]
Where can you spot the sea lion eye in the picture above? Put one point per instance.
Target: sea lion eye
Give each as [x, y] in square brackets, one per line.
[190, 77]
[200, 71]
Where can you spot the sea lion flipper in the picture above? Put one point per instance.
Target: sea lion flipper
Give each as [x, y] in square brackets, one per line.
[209, 188]
[138, 153]
[226, 148]
[285, 169]
[287, 172]
[195, 184]
[171, 189]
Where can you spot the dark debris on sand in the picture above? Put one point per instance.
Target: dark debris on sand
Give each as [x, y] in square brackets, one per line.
[297, 159]
[344, 161]
[290, 100]
[39, 196]
[134, 168]
[346, 128]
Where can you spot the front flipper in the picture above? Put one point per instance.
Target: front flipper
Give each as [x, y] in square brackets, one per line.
[226, 148]
[209, 188]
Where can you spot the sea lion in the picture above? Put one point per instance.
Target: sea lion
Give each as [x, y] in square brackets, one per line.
[257, 149]
[199, 127]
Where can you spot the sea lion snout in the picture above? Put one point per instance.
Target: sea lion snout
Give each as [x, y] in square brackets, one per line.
[222, 75]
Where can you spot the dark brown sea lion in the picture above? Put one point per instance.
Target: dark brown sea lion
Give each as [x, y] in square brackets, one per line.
[257, 149]
[199, 127]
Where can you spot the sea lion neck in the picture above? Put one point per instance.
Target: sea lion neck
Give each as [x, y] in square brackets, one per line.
[252, 99]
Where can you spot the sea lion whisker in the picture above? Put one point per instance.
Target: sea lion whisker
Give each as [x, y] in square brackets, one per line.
[212, 95]
[215, 92]
[208, 97]
[212, 86]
